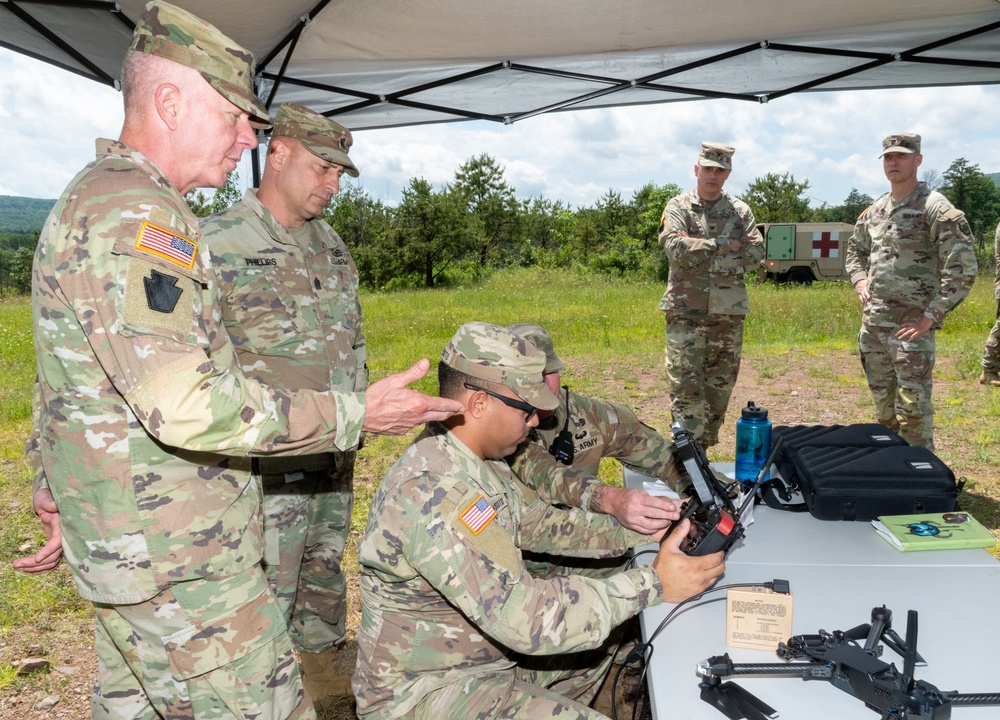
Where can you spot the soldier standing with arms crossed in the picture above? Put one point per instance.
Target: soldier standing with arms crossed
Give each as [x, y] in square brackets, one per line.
[143, 421]
[711, 239]
[289, 295]
[911, 261]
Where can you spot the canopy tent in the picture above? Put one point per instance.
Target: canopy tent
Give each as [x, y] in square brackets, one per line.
[382, 63]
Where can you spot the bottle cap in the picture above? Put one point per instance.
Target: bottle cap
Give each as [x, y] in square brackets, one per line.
[752, 412]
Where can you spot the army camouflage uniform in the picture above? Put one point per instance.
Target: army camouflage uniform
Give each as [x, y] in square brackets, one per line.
[143, 424]
[917, 257]
[423, 569]
[599, 430]
[289, 302]
[991, 354]
[705, 304]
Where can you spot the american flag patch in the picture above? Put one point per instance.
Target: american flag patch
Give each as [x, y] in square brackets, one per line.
[167, 245]
[478, 515]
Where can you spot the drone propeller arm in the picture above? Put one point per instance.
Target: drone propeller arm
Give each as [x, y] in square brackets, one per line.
[722, 666]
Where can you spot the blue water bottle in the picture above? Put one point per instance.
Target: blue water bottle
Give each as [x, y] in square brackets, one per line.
[753, 442]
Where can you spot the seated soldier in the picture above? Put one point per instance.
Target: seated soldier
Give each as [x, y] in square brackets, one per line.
[588, 430]
[453, 625]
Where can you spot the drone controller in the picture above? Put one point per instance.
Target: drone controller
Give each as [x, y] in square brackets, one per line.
[715, 520]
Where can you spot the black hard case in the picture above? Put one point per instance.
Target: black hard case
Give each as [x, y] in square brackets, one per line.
[863, 483]
[796, 437]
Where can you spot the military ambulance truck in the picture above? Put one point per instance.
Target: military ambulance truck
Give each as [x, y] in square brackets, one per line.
[804, 252]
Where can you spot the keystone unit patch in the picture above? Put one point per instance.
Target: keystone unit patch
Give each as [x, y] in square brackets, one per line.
[162, 292]
[165, 244]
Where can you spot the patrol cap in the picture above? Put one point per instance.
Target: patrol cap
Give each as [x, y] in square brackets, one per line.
[318, 134]
[716, 155]
[539, 337]
[908, 143]
[495, 354]
[169, 32]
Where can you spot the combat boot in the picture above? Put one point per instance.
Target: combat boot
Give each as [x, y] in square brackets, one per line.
[323, 677]
[990, 378]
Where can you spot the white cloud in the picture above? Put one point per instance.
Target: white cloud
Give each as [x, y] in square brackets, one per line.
[49, 119]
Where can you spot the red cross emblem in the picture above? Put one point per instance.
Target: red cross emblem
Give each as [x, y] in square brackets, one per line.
[826, 244]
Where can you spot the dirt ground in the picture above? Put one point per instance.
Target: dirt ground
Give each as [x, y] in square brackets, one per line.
[831, 391]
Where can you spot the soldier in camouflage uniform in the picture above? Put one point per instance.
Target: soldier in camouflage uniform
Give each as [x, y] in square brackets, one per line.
[911, 261]
[452, 624]
[991, 354]
[595, 430]
[289, 297]
[711, 238]
[143, 421]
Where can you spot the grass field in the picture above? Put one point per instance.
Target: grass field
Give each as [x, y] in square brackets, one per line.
[800, 361]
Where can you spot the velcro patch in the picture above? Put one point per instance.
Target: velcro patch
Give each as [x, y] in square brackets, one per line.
[478, 515]
[167, 245]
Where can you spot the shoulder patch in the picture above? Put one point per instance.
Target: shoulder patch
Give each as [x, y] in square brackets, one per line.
[165, 244]
[478, 515]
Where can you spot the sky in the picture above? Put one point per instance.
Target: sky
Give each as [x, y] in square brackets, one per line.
[49, 119]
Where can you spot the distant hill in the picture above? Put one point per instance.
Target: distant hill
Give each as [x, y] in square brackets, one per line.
[995, 177]
[23, 215]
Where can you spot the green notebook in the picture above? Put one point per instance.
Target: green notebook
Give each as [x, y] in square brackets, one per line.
[933, 531]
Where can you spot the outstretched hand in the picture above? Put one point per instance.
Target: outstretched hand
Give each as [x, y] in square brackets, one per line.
[395, 409]
[638, 510]
[683, 575]
[51, 553]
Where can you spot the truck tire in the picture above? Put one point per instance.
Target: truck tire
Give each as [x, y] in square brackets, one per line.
[800, 276]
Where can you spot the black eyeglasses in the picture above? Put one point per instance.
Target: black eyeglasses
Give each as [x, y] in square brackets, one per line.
[528, 410]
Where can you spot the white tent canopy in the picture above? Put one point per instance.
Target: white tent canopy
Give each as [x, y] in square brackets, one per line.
[381, 63]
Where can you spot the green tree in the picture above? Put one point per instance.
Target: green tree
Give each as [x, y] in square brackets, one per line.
[778, 198]
[222, 198]
[492, 207]
[430, 231]
[363, 224]
[976, 195]
[854, 204]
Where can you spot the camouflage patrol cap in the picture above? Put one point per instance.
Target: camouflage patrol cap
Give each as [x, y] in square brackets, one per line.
[318, 134]
[716, 155]
[539, 337]
[908, 143]
[495, 354]
[169, 32]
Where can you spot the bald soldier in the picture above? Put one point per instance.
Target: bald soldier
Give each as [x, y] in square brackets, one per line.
[711, 239]
[453, 626]
[911, 261]
[289, 296]
[143, 421]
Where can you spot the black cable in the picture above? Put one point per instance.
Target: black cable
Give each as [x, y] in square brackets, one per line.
[643, 651]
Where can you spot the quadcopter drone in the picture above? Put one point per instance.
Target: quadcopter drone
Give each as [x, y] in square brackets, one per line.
[855, 668]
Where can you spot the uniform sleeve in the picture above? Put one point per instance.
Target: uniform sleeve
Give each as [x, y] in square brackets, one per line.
[957, 260]
[31, 445]
[483, 576]
[555, 482]
[573, 532]
[675, 237]
[859, 248]
[641, 448]
[996, 252]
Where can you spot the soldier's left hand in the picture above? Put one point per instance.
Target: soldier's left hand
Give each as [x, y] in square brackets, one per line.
[913, 330]
[51, 553]
[638, 510]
